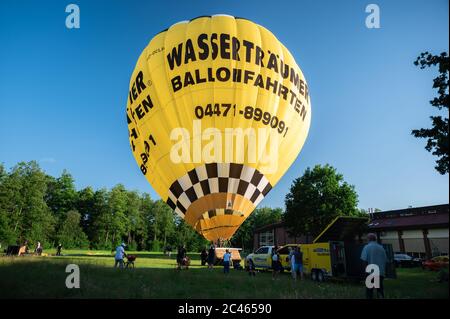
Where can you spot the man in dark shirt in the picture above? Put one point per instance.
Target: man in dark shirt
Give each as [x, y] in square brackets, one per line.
[58, 249]
[297, 263]
[203, 256]
[181, 254]
[211, 256]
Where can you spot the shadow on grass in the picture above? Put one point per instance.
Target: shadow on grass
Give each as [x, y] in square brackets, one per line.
[46, 277]
[192, 256]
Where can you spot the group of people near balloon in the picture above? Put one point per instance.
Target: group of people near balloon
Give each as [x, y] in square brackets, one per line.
[295, 259]
[208, 257]
[183, 260]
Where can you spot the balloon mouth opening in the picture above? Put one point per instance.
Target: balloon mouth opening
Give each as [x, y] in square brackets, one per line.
[216, 198]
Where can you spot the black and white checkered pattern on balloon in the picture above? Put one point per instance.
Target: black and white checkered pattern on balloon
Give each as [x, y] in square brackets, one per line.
[217, 178]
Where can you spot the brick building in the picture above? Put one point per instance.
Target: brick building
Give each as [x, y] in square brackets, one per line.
[276, 234]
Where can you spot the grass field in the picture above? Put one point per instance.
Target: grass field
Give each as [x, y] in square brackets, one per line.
[155, 277]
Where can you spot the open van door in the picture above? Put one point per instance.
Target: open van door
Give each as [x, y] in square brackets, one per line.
[342, 228]
[338, 262]
[345, 250]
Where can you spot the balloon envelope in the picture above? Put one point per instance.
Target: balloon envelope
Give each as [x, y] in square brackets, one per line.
[217, 111]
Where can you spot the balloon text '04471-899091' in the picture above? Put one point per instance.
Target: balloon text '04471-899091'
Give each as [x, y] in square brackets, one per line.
[217, 111]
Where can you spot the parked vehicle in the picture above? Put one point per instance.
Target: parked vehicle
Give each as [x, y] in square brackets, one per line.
[262, 257]
[334, 253]
[405, 260]
[436, 263]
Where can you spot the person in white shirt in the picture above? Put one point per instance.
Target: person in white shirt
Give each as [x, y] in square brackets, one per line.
[276, 265]
[293, 270]
[297, 263]
[120, 253]
[38, 248]
[226, 262]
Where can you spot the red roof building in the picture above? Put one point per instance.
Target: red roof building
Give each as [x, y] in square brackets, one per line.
[420, 231]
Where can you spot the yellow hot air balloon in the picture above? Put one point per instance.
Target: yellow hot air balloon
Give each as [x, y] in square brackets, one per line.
[217, 111]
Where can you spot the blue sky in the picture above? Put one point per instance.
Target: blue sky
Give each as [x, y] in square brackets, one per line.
[63, 92]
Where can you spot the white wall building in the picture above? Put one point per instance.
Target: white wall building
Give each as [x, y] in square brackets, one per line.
[420, 232]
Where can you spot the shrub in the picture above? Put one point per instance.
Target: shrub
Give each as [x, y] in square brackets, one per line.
[156, 245]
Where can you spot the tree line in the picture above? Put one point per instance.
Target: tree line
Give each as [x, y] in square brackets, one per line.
[35, 206]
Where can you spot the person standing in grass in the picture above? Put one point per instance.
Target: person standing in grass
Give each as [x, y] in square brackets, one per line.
[182, 259]
[292, 262]
[120, 254]
[297, 263]
[291, 252]
[38, 249]
[180, 256]
[374, 254]
[275, 263]
[168, 250]
[211, 256]
[58, 249]
[226, 262]
[203, 256]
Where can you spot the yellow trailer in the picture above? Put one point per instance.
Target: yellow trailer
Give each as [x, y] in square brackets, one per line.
[336, 251]
[316, 259]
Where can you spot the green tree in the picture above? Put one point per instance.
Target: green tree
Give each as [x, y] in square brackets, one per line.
[71, 234]
[7, 236]
[136, 230]
[110, 223]
[316, 198]
[163, 224]
[22, 204]
[146, 211]
[260, 217]
[186, 235]
[6, 233]
[85, 205]
[3, 172]
[99, 230]
[266, 216]
[437, 135]
[12, 203]
[61, 195]
[116, 214]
